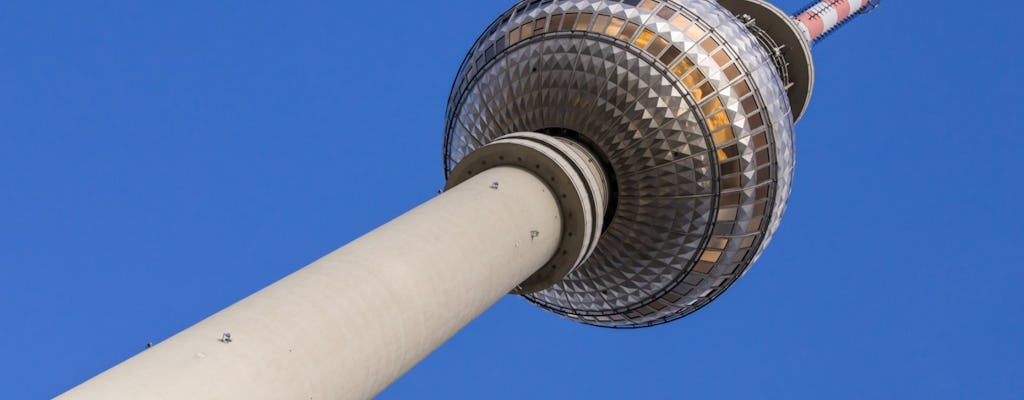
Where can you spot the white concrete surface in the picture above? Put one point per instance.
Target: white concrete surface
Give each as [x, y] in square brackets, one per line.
[349, 324]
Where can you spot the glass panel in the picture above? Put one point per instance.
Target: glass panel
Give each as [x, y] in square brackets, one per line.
[704, 90]
[670, 55]
[755, 225]
[666, 13]
[693, 79]
[527, 31]
[726, 153]
[568, 22]
[742, 89]
[732, 72]
[739, 256]
[556, 22]
[644, 39]
[583, 22]
[712, 107]
[513, 37]
[731, 182]
[680, 22]
[628, 31]
[727, 214]
[709, 44]
[759, 140]
[600, 23]
[541, 25]
[755, 121]
[762, 193]
[682, 67]
[730, 199]
[614, 27]
[721, 57]
[760, 208]
[711, 256]
[749, 104]
[658, 45]
[695, 32]
[762, 157]
[724, 135]
[729, 168]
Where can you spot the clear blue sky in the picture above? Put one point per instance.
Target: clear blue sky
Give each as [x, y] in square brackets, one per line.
[160, 161]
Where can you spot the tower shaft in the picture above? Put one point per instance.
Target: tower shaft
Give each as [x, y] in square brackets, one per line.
[353, 321]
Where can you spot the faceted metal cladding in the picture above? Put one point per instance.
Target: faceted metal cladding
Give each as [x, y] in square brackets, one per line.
[689, 112]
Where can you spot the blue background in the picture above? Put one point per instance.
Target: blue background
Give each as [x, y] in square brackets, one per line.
[160, 161]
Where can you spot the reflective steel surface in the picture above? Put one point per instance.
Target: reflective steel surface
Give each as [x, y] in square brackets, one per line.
[690, 114]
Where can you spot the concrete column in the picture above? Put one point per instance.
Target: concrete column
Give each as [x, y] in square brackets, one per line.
[352, 322]
[518, 215]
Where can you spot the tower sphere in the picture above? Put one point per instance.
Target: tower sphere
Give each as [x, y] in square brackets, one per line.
[687, 109]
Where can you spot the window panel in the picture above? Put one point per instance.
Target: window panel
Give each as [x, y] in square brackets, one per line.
[731, 182]
[666, 13]
[727, 214]
[682, 67]
[721, 57]
[657, 46]
[709, 44]
[731, 199]
[712, 107]
[600, 23]
[749, 104]
[732, 72]
[762, 157]
[742, 88]
[569, 21]
[762, 192]
[614, 27]
[583, 22]
[755, 224]
[704, 90]
[527, 31]
[644, 39]
[541, 26]
[556, 22]
[724, 135]
[629, 31]
[670, 55]
[759, 140]
[695, 32]
[680, 22]
[729, 168]
[755, 121]
[693, 79]
[711, 256]
[728, 152]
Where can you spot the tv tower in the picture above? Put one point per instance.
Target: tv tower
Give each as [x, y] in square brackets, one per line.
[618, 163]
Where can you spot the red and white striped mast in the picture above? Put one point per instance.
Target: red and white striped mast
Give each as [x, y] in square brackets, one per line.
[820, 19]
